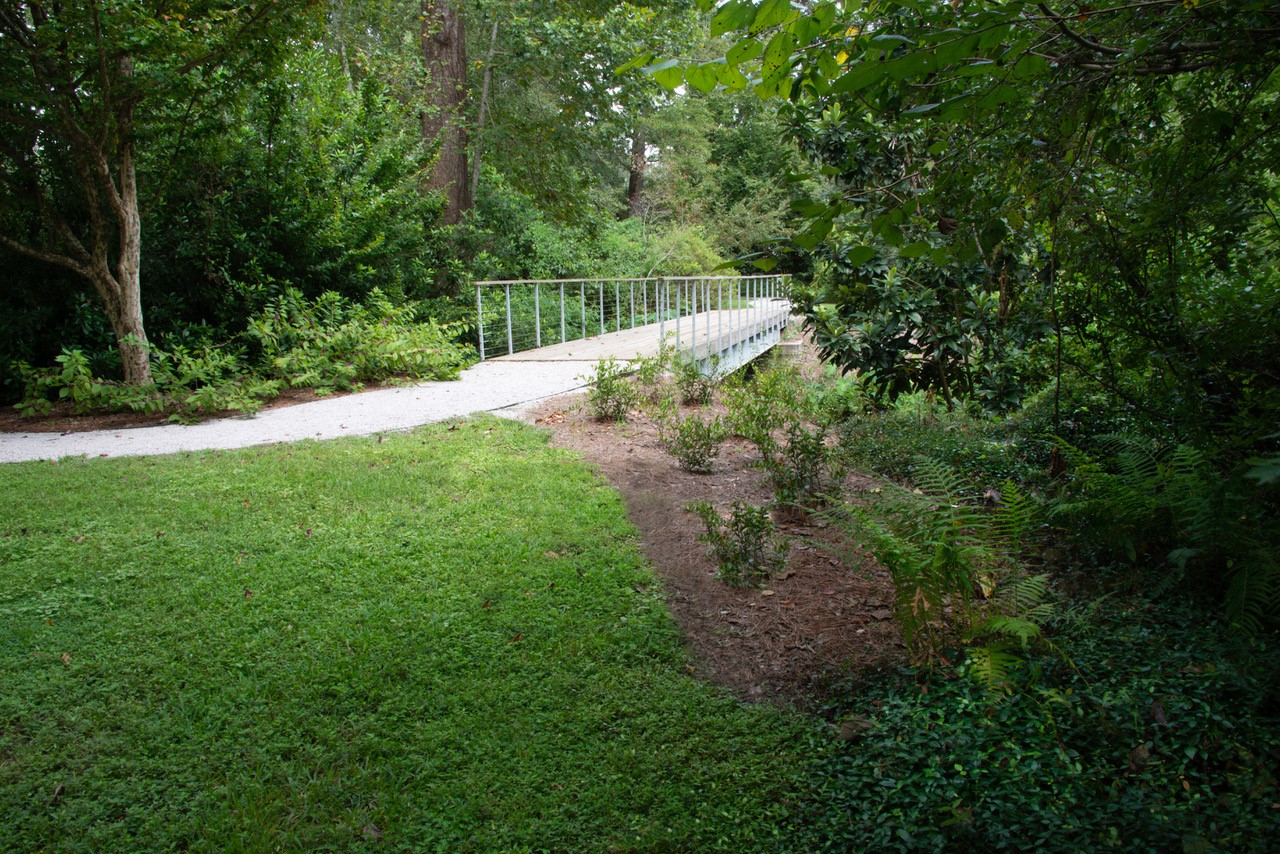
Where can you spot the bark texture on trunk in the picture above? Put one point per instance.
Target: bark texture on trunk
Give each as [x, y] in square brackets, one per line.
[635, 185]
[444, 58]
[106, 169]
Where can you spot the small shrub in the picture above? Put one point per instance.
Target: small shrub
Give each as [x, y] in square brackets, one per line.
[745, 545]
[695, 443]
[806, 470]
[695, 388]
[611, 396]
[761, 407]
[649, 374]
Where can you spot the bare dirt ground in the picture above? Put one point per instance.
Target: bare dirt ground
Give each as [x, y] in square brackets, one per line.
[826, 618]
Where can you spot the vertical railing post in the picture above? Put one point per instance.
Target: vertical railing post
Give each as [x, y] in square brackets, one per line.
[582, 294]
[600, 285]
[563, 337]
[480, 318]
[719, 314]
[657, 306]
[632, 288]
[617, 306]
[693, 319]
[677, 315]
[511, 348]
[537, 315]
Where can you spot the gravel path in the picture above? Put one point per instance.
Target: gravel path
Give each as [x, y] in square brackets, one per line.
[505, 388]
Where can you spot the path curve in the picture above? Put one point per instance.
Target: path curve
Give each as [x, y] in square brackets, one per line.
[493, 386]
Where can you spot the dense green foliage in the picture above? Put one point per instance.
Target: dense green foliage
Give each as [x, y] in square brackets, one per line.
[446, 639]
[326, 344]
[310, 174]
[1140, 733]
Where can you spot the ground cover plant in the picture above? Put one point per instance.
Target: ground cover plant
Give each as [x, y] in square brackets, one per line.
[326, 344]
[1142, 732]
[446, 639]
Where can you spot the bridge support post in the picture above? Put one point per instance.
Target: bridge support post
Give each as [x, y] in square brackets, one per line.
[480, 318]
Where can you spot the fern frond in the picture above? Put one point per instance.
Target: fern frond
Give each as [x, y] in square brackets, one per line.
[1015, 627]
[992, 665]
[1023, 594]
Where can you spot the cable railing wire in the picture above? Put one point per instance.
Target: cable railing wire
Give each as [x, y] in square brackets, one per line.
[519, 315]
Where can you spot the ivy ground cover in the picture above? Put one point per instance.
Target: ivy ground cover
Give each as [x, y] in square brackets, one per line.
[443, 640]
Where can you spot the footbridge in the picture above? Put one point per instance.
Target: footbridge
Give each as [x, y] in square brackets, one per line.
[722, 322]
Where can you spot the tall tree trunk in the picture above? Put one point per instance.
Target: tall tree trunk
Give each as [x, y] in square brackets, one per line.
[635, 185]
[444, 58]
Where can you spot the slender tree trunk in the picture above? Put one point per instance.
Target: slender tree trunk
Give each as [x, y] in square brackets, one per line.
[444, 58]
[635, 186]
[483, 114]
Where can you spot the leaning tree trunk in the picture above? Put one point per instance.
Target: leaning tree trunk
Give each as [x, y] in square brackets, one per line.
[124, 302]
[110, 201]
[444, 58]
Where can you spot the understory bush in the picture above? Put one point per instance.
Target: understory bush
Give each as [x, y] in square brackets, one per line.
[1144, 734]
[957, 569]
[695, 387]
[333, 343]
[186, 383]
[695, 442]
[986, 450]
[329, 343]
[612, 395]
[745, 545]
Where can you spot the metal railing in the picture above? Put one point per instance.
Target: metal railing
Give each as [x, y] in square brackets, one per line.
[515, 316]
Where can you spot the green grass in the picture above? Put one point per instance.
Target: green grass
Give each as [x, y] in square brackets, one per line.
[445, 641]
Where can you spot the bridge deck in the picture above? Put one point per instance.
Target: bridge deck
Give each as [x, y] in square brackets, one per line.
[714, 331]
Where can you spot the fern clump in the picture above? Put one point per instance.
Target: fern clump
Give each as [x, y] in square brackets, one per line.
[956, 568]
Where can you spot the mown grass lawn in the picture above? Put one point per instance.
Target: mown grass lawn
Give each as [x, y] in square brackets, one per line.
[447, 640]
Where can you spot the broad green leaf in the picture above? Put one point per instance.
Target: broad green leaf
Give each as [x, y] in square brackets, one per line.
[705, 76]
[744, 51]
[957, 49]
[669, 74]
[889, 42]
[733, 15]
[640, 61]
[828, 66]
[777, 55]
[765, 264]
[997, 96]
[920, 110]
[732, 78]
[825, 14]
[914, 250]
[859, 77]
[1030, 67]
[770, 14]
[815, 233]
[915, 64]
[859, 255]
[805, 29]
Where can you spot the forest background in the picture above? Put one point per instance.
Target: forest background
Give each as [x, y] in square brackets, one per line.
[403, 149]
